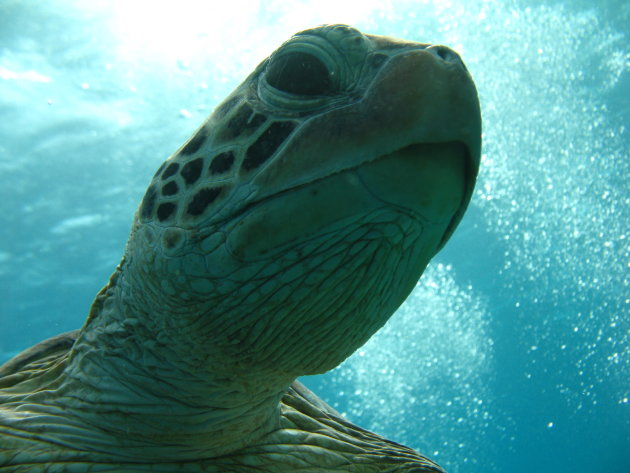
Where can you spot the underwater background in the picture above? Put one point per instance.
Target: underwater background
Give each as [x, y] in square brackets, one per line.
[512, 354]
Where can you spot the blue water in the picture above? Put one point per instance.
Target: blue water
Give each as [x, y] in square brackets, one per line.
[512, 353]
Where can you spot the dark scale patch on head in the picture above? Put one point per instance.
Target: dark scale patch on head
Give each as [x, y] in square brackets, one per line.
[267, 144]
[243, 123]
[192, 170]
[148, 203]
[202, 199]
[170, 189]
[222, 163]
[165, 211]
[170, 170]
[195, 143]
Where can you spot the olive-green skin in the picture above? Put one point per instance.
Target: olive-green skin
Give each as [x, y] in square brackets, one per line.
[271, 245]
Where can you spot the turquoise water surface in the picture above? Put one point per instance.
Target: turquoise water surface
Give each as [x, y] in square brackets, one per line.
[511, 356]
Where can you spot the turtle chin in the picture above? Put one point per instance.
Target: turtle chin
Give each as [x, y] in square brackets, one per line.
[305, 309]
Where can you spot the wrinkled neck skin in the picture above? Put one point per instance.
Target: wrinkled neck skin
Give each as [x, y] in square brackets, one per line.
[158, 377]
[147, 399]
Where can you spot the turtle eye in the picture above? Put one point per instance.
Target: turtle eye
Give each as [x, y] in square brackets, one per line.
[299, 73]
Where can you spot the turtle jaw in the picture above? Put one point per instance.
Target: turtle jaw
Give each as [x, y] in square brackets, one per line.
[426, 181]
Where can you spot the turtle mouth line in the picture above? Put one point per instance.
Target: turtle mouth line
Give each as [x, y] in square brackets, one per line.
[354, 168]
[423, 183]
[415, 177]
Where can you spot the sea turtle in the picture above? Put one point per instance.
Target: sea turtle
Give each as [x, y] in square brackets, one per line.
[271, 245]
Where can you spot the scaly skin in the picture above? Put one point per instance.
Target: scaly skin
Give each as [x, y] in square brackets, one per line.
[272, 245]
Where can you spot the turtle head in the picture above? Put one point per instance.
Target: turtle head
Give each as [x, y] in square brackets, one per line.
[301, 214]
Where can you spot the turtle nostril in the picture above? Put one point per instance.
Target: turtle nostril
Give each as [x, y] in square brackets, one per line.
[444, 53]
